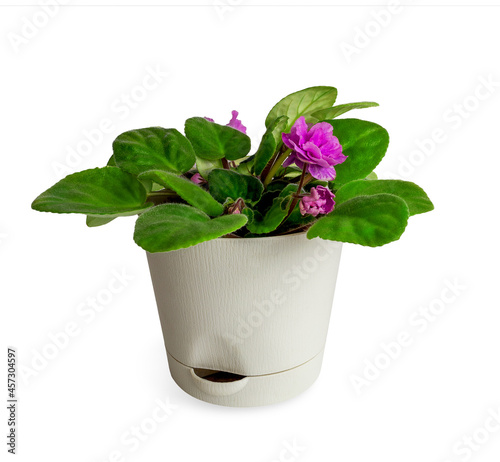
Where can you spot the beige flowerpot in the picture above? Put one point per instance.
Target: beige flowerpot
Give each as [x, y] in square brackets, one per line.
[245, 320]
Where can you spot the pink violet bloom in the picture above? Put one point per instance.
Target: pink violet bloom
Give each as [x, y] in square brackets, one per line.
[320, 200]
[233, 123]
[236, 123]
[197, 178]
[315, 146]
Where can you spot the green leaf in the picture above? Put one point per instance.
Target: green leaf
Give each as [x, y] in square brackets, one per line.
[265, 202]
[112, 162]
[365, 144]
[176, 226]
[154, 148]
[274, 190]
[289, 189]
[225, 184]
[148, 184]
[205, 166]
[335, 111]
[301, 103]
[187, 190]
[156, 187]
[245, 166]
[414, 196]
[94, 221]
[100, 191]
[372, 176]
[277, 185]
[259, 224]
[213, 141]
[297, 220]
[268, 144]
[289, 172]
[366, 220]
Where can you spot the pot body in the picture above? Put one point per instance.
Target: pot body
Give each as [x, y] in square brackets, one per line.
[253, 307]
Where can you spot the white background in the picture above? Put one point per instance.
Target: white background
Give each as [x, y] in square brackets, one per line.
[424, 66]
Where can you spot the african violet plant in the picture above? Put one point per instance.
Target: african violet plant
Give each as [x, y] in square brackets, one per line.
[311, 171]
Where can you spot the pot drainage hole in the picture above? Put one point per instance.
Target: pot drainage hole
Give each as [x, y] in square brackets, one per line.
[217, 376]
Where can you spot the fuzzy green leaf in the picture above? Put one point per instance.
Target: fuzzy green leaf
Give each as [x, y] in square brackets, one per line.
[302, 102]
[94, 221]
[213, 141]
[366, 220]
[365, 144]
[224, 184]
[205, 166]
[105, 191]
[289, 189]
[259, 224]
[414, 196]
[187, 190]
[245, 166]
[154, 148]
[176, 226]
[335, 111]
[112, 162]
[268, 144]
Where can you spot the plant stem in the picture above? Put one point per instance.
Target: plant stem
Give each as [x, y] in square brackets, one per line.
[225, 163]
[294, 230]
[270, 164]
[281, 158]
[304, 179]
[307, 179]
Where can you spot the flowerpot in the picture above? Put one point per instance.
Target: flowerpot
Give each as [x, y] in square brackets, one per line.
[245, 320]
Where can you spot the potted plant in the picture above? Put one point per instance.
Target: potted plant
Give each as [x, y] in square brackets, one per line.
[244, 249]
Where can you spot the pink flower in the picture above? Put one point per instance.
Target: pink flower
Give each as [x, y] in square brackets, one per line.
[316, 147]
[233, 123]
[319, 201]
[197, 178]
